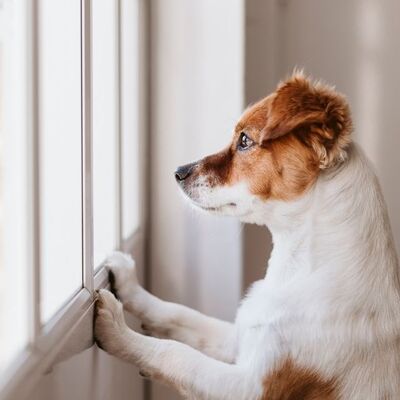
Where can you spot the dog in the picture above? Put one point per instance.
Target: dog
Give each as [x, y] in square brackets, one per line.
[325, 321]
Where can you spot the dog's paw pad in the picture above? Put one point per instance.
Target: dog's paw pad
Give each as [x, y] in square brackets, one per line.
[109, 322]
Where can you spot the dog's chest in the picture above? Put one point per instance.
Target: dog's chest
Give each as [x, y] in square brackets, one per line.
[261, 322]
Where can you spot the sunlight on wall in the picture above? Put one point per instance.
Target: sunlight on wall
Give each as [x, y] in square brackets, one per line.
[369, 24]
[197, 98]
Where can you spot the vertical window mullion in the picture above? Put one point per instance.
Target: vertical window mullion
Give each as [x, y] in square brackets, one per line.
[119, 205]
[87, 159]
[33, 172]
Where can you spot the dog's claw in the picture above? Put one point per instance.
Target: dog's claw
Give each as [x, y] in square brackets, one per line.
[144, 374]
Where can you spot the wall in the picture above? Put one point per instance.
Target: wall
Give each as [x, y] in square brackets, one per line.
[90, 375]
[197, 96]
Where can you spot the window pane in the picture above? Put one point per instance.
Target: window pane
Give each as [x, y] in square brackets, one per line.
[60, 152]
[13, 182]
[130, 116]
[104, 128]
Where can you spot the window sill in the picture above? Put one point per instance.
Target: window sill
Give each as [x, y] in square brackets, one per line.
[68, 333]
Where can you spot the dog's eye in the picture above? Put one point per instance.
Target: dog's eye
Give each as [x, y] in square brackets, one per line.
[244, 142]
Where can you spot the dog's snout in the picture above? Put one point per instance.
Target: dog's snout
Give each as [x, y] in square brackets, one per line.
[184, 171]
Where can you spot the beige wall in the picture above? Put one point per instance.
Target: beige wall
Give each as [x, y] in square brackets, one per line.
[90, 375]
[197, 96]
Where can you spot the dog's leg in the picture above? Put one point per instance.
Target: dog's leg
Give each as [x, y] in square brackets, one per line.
[192, 373]
[168, 320]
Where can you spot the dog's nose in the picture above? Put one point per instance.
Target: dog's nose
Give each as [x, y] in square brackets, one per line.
[184, 171]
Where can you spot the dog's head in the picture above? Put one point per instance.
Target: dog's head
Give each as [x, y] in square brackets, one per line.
[279, 147]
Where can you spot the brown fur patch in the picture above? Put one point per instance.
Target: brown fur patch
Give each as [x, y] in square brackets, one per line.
[283, 170]
[313, 111]
[290, 382]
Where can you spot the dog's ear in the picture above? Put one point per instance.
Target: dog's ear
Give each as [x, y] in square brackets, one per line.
[317, 114]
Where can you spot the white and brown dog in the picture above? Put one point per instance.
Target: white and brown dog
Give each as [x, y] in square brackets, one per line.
[325, 321]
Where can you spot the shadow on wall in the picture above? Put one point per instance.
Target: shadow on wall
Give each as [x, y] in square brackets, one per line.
[350, 43]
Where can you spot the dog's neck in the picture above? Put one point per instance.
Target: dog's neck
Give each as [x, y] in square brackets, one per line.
[340, 227]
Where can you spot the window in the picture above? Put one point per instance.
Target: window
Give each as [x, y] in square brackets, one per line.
[130, 127]
[13, 183]
[115, 109]
[59, 140]
[105, 127]
[69, 167]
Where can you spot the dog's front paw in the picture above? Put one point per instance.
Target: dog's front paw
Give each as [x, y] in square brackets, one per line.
[109, 325]
[122, 275]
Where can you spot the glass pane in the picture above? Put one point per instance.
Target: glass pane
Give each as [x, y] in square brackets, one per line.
[13, 182]
[104, 128]
[60, 152]
[130, 116]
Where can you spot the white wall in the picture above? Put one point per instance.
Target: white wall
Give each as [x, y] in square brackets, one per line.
[197, 96]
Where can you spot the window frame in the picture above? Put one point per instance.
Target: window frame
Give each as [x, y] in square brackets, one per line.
[56, 340]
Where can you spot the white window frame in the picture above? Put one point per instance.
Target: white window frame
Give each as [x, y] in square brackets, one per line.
[70, 330]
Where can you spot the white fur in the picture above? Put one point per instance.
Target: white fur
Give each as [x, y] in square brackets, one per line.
[330, 299]
[226, 200]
